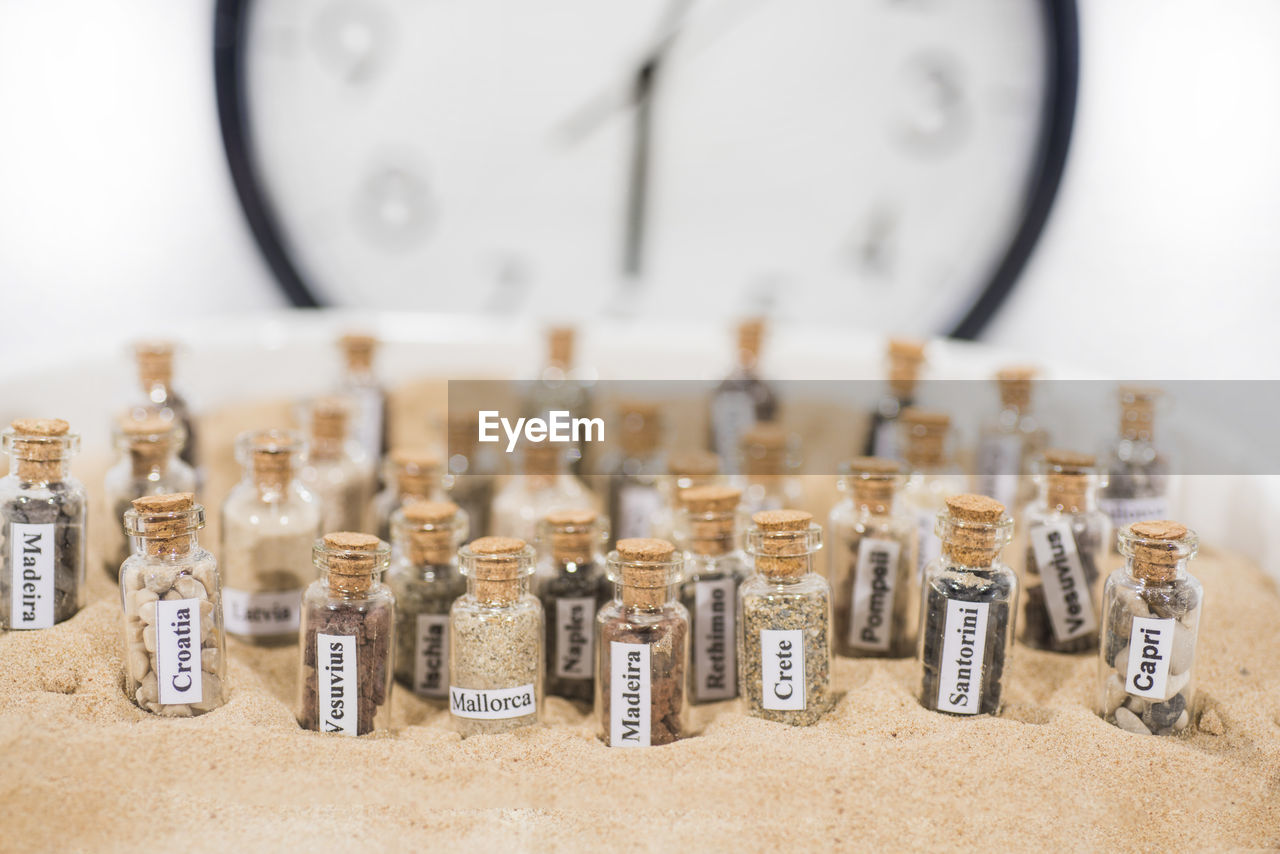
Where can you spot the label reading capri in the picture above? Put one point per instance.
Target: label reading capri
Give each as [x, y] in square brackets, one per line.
[630, 701]
[964, 643]
[782, 665]
[492, 703]
[1150, 646]
[575, 636]
[31, 558]
[339, 694]
[178, 672]
[269, 613]
[1066, 590]
[431, 655]
[874, 578]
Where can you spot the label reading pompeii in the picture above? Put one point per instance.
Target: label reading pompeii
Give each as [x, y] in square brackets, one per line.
[930, 545]
[1066, 589]
[431, 656]
[999, 461]
[782, 665]
[637, 505]
[493, 703]
[715, 643]
[575, 641]
[874, 578]
[339, 694]
[630, 703]
[272, 613]
[31, 557]
[964, 643]
[1124, 511]
[1150, 647]
[178, 673]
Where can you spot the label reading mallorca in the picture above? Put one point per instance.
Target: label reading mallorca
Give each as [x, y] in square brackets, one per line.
[31, 564]
[637, 505]
[1066, 589]
[630, 703]
[930, 545]
[575, 641]
[964, 643]
[875, 575]
[782, 666]
[999, 461]
[1150, 646]
[339, 692]
[273, 613]
[715, 663]
[178, 672]
[493, 703]
[1124, 511]
[431, 656]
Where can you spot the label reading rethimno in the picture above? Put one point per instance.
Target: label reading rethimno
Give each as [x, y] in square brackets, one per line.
[630, 695]
[715, 661]
[31, 553]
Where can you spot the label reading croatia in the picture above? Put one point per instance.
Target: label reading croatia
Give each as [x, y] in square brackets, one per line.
[575, 640]
[715, 658]
[1066, 589]
[630, 695]
[1150, 646]
[339, 692]
[491, 704]
[178, 672]
[431, 656]
[875, 576]
[272, 613]
[964, 643]
[31, 567]
[782, 665]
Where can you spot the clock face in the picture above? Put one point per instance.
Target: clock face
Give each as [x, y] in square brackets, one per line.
[880, 163]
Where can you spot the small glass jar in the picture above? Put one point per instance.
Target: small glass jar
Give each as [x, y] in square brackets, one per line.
[148, 465]
[572, 587]
[337, 470]
[1011, 443]
[872, 563]
[43, 510]
[968, 608]
[1068, 538]
[160, 397]
[174, 649]
[561, 386]
[1146, 674]
[469, 480]
[905, 357]
[784, 643]
[360, 385]
[740, 400]
[1138, 472]
[684, 471]
[642, 647]
[495, 640]
[270, 523]
[544, 486]
[769, 458]
[633, 471]
[932, 478]
[413, 475]
[348, 626]
[426, 582]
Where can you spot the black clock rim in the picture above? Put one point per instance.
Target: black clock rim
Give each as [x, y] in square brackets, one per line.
[1062, 37]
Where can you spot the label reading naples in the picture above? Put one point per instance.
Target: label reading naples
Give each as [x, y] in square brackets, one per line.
[492, 703]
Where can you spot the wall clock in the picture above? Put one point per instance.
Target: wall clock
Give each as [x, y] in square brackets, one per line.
[886, 163]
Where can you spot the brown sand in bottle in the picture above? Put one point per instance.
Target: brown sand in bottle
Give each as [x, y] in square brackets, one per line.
[82, 769]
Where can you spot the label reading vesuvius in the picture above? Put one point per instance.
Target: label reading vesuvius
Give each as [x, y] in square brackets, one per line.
[575, 637]
[492, 704]
[1150, 646]
[1066, 589]
[964, 643]
[339, 694]
[178, 672]
[875, 575]
[431, 655]
[630, 703]
[272, 613]
[31, 566]
[782, 668]
[715, 660]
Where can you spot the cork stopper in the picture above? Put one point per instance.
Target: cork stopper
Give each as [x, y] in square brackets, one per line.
[165, 522]
[351, 559]
[148, 441]
[1157, 549]
[463, 429]
[270, 456]
[639, 427]
[1015, 386]
[40, 445]
[495, 566]
[764, 449]
[693, 464]
[329, 422]
[1138, 412]
[1068, 477]
[973, 529]
[710, 518]
[750, 337]
[357, 351]
[560, 341]
[572, 535]
[782, 541]
[155, 363]
[431, 533]
[872, 482]
[905, 356]
[926, 434]
[645, 568]
[417, 471]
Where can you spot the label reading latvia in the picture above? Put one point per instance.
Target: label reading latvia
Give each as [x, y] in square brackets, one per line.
[1150, 646]
[964, 643]
[998, 464]
[782, 666]
[715, 663]
[492, 704]
[31, 565]
[630, 703]
[1066, 590]
[930, 545]
[1124, 511]
[637, 505]
[178, 672]
[431, 656]
[875, 575]
[575, 641]
[273, 613]
[339, 692]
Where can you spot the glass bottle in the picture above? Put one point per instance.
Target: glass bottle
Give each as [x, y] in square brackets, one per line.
[174, 649]
[495, 640]
[560, 387]
[470, 477]
[1011, 443]
[784, 639]
[932, 479]
[684, 471]
[572, 587]
[425, 579]
[148, 465]
[413, 475]
[544, 487]
[642, 647]
[1068, 538]
[715, 566]
[872, 563]
[1146, 674]
[270, 523]
[905, 358]
[769, 457]
[337, 470]
[633, 472]
[155, 377]
[1138, 473]
[360, 386]
[741, 399]
[968, 609]
[348, 627]
[43, 510]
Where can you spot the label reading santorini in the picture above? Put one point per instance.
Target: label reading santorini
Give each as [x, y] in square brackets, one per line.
[1066, 589]
[999, 461]
[1124, 511]
[493, 703]
[782, 666]
[273, 613]
[873, 589]
[630, 703]
[715, 642]
[339, 694]
[31, 564]
[1150, 646]
[431, 656]
[637, 505]
[178, 672]
[575, 642]
[964, 643]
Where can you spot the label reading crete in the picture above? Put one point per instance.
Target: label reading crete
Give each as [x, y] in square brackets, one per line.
[431, 656]
[1066, 589]
[1124, 511]
[637, 505]
[930, 545]
[630, 702]
[1150, 646]
[964, 643]
[575, 640]
[782, 663]
[999, 462]
[273, 613]
[339, 685]
[874, 578]
[178, 672]
[31, 558]
[715, 663]
[491, 704]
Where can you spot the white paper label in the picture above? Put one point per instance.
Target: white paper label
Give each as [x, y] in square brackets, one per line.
[1066, 589]
[929, 544]
[274, 613]
[782, 666]
[339, 694]
[732, 414]
[178, 671]
[1150, 647]
[875, 575]
[31, 550]
[999, 464]
[575, 640]
[964, 643]
[431, 656]
[885, 442]
[637, 505]
[715, 659]
[630, 703]
[492, 704]
[1124, 511]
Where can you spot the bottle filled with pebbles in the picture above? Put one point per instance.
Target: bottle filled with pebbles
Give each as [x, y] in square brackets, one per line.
[337, 470]
[634, 469]
[495, 640]
[872, 563]
[642, 647]
[148, 464]
[174, 649]
[1138, 471]
[1067, 539]
[413, 475]
[1151, 609]
[426, 582]
[348, 625]
[270, 522]
[684, 471]
[572, 586]
[970, 598]
[43, 511]
[159, 395]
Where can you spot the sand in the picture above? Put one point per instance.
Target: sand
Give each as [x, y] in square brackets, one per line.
[84, 769]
